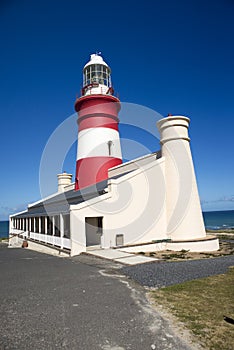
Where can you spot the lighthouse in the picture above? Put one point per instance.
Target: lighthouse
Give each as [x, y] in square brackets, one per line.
[98, 146]
[152, 202]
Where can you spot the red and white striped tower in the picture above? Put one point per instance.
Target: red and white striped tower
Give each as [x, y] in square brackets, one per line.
[98, 137]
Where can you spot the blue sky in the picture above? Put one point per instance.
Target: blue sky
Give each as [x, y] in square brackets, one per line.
[171, 56]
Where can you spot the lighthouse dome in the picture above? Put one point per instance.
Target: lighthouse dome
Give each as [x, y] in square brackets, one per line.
[96, 58]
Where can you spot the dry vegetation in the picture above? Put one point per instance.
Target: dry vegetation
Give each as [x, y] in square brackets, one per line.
[226, 248]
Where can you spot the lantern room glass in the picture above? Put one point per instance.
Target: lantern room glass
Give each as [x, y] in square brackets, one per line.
[97, 73]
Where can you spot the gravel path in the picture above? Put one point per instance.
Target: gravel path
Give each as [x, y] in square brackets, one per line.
[161, 274]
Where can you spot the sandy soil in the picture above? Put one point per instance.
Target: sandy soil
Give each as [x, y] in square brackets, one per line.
[226, 248]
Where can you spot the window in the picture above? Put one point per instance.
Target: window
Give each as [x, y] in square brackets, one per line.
[96, 73]
[42, 224]
[110, 146]
[49, 225]
[32, 225]
[66, 220]
[37, 224]
[57, 225]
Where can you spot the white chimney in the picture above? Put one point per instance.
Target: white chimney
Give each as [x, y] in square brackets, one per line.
[64, 180]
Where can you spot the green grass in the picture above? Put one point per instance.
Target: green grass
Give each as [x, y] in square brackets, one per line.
[200, 305]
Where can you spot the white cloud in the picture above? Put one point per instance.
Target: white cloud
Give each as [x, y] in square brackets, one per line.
[5, 211]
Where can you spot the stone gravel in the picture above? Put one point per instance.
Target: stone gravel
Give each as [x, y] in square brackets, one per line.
[161, 274]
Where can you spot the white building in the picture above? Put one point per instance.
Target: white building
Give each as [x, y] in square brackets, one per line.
[147, 204]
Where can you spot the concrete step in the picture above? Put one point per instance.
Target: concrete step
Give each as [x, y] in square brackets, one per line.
[121, 257]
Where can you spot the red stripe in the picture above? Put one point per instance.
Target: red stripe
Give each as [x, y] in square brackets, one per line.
[102, 104]
[98, 122]
[91, 170]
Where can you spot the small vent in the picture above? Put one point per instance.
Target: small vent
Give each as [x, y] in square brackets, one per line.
[119, 240]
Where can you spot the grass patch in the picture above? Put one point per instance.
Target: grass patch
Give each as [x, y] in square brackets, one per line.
[200, 305]
[3, 239]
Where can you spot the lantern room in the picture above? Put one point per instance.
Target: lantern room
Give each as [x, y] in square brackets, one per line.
[96, 77]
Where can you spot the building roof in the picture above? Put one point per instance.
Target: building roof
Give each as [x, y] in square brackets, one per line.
[60, 202]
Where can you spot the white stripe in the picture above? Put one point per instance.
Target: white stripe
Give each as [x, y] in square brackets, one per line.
[93, 142]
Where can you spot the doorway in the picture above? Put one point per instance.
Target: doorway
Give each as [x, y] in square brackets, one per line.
[93, 230]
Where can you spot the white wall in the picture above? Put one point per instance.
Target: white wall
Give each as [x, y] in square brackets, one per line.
[156, 201]
[135, 207]
[184, 215]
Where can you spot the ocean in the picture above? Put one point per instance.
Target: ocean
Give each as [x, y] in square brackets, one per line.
[214, 220]
[4, 228]
[219, 220]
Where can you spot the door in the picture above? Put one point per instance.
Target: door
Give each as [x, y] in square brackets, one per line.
[93, 230]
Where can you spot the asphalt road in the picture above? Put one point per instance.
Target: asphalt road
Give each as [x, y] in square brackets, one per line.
[81, 303]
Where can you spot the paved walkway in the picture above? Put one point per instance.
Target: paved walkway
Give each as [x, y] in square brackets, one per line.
[77, 303]
[120, 256]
